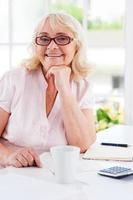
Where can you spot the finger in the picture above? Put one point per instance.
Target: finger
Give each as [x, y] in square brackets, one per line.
[16, 163]
[29, 158]
[22, 160]
[36, 158]
[48, 74]
[51, 71]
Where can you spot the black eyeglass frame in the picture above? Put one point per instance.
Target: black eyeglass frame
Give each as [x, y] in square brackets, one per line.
[54, 39]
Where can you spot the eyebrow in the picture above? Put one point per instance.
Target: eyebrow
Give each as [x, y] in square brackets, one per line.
[59, 33]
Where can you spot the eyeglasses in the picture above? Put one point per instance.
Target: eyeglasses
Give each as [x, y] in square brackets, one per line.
[61, 40]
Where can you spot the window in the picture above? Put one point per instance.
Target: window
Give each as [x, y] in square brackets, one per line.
[106, 46]
[4, 21]
[17, 22]
[102, 19]
[4, 36]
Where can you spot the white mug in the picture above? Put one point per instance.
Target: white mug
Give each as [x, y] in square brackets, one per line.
[66, 160]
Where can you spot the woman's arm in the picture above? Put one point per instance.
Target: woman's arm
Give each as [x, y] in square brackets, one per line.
[14, 155]
[79, 124]
[4, 116]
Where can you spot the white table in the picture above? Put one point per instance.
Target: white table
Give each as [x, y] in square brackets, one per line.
[117, 134]
[40, 184]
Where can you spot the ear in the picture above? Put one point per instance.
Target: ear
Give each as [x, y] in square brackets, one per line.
[77, 47]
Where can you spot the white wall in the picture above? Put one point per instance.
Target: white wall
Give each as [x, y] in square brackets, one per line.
[103, 39]
[129, 63]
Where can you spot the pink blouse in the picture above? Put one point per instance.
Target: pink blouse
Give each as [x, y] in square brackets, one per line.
[22, 94]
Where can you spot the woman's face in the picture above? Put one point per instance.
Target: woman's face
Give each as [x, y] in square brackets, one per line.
[54, 54]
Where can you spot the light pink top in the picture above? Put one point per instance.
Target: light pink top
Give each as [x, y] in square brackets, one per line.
[22, 94]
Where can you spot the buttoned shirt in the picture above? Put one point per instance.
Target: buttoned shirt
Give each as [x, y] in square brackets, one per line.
[23, 95]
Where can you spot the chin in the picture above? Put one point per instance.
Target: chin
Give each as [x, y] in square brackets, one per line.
[51, 64]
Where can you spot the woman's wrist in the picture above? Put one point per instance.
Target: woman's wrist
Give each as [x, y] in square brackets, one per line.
[65, 91]
[4, 157]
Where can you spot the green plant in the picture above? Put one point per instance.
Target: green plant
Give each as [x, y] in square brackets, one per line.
[107, 117]
[98, 24]
[72, 9]
[95, 24]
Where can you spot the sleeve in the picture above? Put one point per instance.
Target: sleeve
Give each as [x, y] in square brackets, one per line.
[6, 92]
[85, 94]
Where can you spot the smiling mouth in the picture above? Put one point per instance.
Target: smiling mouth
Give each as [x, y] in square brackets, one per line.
[54, 55]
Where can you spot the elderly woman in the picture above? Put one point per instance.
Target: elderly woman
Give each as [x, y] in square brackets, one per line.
[48, 100]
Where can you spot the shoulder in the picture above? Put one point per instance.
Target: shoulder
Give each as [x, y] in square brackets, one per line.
[14, 73]
[14, 78]
[19, 74]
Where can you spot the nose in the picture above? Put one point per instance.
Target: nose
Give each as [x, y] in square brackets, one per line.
[52, 45]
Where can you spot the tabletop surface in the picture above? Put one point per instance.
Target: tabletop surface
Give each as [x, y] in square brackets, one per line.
[39, 183]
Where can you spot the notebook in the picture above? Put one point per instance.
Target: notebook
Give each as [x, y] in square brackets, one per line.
[101, 152]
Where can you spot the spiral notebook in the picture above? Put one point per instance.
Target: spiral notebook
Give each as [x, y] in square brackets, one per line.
[101, 152]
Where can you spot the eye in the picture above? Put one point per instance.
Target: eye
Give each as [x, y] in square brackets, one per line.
[44, 39]
[62, 39]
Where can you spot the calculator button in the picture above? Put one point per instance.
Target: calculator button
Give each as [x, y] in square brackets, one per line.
[115, 170]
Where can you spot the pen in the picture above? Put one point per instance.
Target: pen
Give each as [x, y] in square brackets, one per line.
[114, 144]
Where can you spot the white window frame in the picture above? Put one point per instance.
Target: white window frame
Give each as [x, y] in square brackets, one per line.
[10, 44]
[129, 63]
[93, 35]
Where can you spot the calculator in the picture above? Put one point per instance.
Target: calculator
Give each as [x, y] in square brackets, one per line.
[116, 172]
